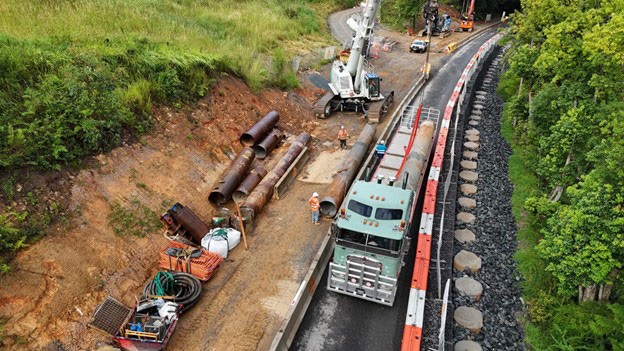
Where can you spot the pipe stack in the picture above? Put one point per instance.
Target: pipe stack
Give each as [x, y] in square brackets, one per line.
[249, 183]
[263, 192]
[222, 191]
[258, 131]
[347, 171]
[267, 144]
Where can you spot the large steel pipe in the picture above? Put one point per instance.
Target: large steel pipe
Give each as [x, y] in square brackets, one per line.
[193, 225]
[267, 144]
[416, 160]
[222, 191]
[263, 192]
[260, 129]
[249, 183]
[347, 171]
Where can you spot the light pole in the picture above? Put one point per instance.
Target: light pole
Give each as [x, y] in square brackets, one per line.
[431, 10]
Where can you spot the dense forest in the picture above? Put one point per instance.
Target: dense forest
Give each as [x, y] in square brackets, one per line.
[564, 112]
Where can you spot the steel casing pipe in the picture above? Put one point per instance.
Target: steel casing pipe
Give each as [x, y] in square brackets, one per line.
[260, 129]
[267, 144]
[416, 160]
[261, 195]
[347, 171]
[249, 183]
[193, 225]
[222, 191]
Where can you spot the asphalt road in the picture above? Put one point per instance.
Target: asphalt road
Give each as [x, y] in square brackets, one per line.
[339, 322]
[337, 22]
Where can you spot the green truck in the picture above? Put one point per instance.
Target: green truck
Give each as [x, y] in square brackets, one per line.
[371, 241]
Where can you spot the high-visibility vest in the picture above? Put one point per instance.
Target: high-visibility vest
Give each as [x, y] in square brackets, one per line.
[342, 134]
[314, 204]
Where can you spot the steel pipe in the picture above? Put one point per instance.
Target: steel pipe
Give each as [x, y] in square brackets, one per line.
[267, 144]
[347, 172]
[416, 160]
[189, 221]
[222, 191]
[260, 129]
[263, 192]
[249, 183]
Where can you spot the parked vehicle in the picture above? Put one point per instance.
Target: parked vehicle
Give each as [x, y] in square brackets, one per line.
[419, 45]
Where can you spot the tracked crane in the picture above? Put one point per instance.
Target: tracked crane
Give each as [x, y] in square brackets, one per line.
[467, 21]
[353, 86]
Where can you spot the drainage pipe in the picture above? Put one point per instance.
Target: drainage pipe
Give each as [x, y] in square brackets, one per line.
[260, 129]
[222, 191]
[347, 172]
[263, 192]
[189, 221]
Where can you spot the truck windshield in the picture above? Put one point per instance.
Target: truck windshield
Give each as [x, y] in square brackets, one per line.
[353, 236]
[388, 213]
[360, 208]
[370, 241]
[383, 243]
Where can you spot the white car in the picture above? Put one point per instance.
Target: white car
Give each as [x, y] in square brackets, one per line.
[419, 45]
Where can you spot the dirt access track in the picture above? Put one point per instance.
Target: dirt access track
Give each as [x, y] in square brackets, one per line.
[47, 301]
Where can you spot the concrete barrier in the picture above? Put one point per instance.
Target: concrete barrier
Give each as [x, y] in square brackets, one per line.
[301, 301]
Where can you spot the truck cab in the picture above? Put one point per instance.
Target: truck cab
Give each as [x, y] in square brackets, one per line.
[371, 236]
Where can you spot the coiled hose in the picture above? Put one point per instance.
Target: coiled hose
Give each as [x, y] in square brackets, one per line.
[184, 288]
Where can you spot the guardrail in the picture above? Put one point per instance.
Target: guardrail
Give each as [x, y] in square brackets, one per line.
[412, 333]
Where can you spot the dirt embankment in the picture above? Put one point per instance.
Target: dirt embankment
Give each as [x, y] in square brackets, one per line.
[56, 283]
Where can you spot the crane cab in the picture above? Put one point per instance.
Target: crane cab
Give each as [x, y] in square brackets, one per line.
[372, 82]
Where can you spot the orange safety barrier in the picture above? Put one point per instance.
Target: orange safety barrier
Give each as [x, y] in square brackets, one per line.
[202, 267]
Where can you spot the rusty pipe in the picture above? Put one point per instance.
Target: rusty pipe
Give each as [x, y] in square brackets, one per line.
[260, 129]
[263, 192]
[222, 191]
[249, 183]
[189, 221]
[416, 162]
[347, 171]
[267, 144]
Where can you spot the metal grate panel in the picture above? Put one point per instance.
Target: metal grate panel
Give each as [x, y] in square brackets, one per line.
[110, 316]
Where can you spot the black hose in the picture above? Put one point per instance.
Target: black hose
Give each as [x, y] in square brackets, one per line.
[186, 289]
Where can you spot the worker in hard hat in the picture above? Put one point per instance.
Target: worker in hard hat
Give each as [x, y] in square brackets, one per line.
[380, 149]
[342, 137]
[315, 206]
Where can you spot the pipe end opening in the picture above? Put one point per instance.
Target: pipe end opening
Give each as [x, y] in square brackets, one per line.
[328, 208]
[247, 140]
[216, 198]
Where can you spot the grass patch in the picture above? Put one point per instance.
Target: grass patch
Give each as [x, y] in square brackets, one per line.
[136, 220]
[79, 77]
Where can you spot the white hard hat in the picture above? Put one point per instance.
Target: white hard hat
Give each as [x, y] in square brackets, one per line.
[382, 142]
[341, 127]
[315, 194]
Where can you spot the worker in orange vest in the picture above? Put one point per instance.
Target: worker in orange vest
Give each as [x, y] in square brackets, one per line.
[315, 207]
[342, 136]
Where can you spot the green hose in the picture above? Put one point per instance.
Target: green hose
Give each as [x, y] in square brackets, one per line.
[166, 279]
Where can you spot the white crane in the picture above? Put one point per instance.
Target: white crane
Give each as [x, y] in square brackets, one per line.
[354, 87]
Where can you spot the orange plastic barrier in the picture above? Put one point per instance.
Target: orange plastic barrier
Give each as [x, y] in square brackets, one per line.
[202, 267]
